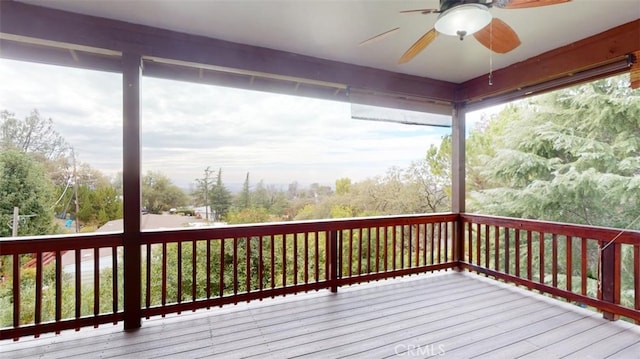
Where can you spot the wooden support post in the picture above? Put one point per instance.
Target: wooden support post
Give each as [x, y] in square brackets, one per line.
[332, 253]
[458, 177]
[610, 276]
[131, 189]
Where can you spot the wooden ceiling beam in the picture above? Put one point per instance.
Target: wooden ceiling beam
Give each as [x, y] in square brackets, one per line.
[601, 49]
[69, 28]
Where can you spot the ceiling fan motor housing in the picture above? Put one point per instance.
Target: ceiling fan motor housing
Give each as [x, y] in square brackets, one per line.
[448, 4]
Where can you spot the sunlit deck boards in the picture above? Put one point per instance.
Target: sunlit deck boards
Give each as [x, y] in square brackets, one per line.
[458, 314]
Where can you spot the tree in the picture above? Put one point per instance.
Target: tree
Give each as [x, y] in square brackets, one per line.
[244, 197]
[23, 184]
[270, 198]
[160, 194]
[568, 156]
[220, 197]
[34, 135]
[343, 185]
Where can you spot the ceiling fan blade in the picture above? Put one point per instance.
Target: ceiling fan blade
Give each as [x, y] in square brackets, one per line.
[523, 4]
[419, 45]
[504, 38]
[422, 11]
[379, 37]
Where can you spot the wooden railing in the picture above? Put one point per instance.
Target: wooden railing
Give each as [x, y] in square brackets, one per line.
[201, 268]
[591, 266]
[55, 282]
[49, 292]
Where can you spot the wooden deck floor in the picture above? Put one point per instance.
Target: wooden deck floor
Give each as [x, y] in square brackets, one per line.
[450, 315]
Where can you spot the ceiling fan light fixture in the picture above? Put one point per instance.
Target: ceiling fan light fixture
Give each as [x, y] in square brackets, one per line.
[463, 20]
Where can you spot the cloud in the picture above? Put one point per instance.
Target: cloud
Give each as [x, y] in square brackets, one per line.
[187, 127]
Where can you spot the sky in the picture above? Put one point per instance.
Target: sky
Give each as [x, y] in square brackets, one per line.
[188, 127]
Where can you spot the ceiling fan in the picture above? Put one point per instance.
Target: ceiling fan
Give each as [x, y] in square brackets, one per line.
[466, 17]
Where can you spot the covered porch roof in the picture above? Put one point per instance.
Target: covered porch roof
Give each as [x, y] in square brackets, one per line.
[312, 48]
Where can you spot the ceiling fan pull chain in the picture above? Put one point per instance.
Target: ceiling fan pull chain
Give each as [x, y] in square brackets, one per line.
[491, 53]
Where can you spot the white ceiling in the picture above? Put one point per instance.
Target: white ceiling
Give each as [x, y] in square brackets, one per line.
[333, 29]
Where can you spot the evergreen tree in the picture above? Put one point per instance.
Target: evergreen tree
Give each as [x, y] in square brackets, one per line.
[220, 197]
[568, 156]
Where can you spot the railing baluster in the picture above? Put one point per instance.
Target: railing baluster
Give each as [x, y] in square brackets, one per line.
[247, 241]
[402, 227]
[194, 263]
[583, 266]
[507, 249]
[38, 308]
[306, 258]
[541, 259]
[163, 299]
[272, 261]
[317, 257]
[569, 249]
[284, 260]
[636, 276]
[417, 249]
[148, 279]
[208, 269]
[96, 282]
[409, 242]
[554, 260]
[115, 280]
[487, 245]
[424, 243]
[235, 265]
[529, 255]
[260, 264]
[496, 263]
[58, 315]
[439, 242]
[78, 286]
[222, 265]
[16, 290]
[478, 242]
[340, 254]
[386, 247]
[368, 249]
[469, 242]
[295, 259]
[446, 242]
[359, 251]
[432, 248]
[517, 250]
[393, 232]
[377, 249]
[179, 273]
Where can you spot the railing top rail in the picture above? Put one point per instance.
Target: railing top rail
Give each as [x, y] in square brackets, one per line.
[265, 229]
[17, 245]
[603, 234]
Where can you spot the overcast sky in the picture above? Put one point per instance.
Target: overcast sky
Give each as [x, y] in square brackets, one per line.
[187, 127]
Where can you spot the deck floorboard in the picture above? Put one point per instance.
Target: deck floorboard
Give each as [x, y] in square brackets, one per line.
[460, 315]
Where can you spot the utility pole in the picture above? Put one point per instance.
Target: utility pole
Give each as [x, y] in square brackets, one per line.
[206, 192]
[75, 189]
[16, 220]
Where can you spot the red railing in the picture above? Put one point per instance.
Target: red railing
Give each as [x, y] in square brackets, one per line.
[49, 292]
[592, 266]
[200, 268]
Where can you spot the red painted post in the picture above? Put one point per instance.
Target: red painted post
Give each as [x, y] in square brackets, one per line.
[610, 276]
[132, 66]
[332, 254]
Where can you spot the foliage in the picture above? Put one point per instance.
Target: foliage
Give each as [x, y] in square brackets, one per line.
[213, 194]
[34, 134]
[243, 200]
[568, 156]
[23, 184]
[159, 194]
